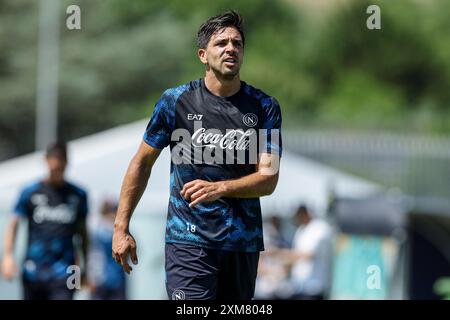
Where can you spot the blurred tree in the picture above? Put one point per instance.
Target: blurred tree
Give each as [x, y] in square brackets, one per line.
[17, 76]
[399, 67]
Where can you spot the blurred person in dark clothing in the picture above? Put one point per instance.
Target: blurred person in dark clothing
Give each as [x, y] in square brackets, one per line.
[106, 277]
[272, 276]
[56, 212]
[273, 233]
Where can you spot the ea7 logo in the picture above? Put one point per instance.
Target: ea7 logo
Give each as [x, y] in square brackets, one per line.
[193, 116]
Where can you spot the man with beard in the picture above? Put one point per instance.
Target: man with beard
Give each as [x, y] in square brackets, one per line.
[214, 226]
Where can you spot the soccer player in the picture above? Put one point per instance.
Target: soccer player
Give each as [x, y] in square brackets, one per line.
[56, 211]
[214, 227]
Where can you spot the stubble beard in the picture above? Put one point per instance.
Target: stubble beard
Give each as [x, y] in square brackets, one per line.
[226, 75]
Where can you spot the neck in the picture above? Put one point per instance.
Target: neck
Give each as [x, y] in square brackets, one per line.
[222, 87]
[56, 182]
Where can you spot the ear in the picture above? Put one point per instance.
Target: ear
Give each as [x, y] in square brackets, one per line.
[202, 55]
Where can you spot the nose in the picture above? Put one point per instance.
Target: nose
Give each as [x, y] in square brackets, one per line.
[230, 47]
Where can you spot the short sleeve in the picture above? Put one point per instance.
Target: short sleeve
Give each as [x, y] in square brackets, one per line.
[160, 126]
[271, 126]
[84, 207]
[22, 206]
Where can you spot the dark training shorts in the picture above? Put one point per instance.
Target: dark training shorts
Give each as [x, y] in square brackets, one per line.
[51, 290]
[195, 273]
[109, 294]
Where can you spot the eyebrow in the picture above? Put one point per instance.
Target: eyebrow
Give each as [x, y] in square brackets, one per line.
[226, 39]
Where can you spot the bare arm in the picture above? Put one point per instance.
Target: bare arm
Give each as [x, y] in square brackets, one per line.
[84, 243]
[8, 266]
[133, 186]
[258, 184]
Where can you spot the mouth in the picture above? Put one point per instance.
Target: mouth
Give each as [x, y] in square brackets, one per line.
[230, 61]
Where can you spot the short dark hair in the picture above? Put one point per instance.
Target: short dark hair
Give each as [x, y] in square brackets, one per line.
[57, 149]
[302, 209]
[230, 18]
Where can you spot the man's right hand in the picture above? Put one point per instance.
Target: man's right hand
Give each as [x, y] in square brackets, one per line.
[8, 267]
[133, 186]
[123, 246]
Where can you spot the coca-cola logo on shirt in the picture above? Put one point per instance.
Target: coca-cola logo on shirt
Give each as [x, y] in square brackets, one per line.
[237, 139]
[221, 146]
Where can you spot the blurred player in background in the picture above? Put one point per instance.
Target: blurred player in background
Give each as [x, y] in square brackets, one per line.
[56, 212]
[273, 275]
[310, 257]
[106, 277]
